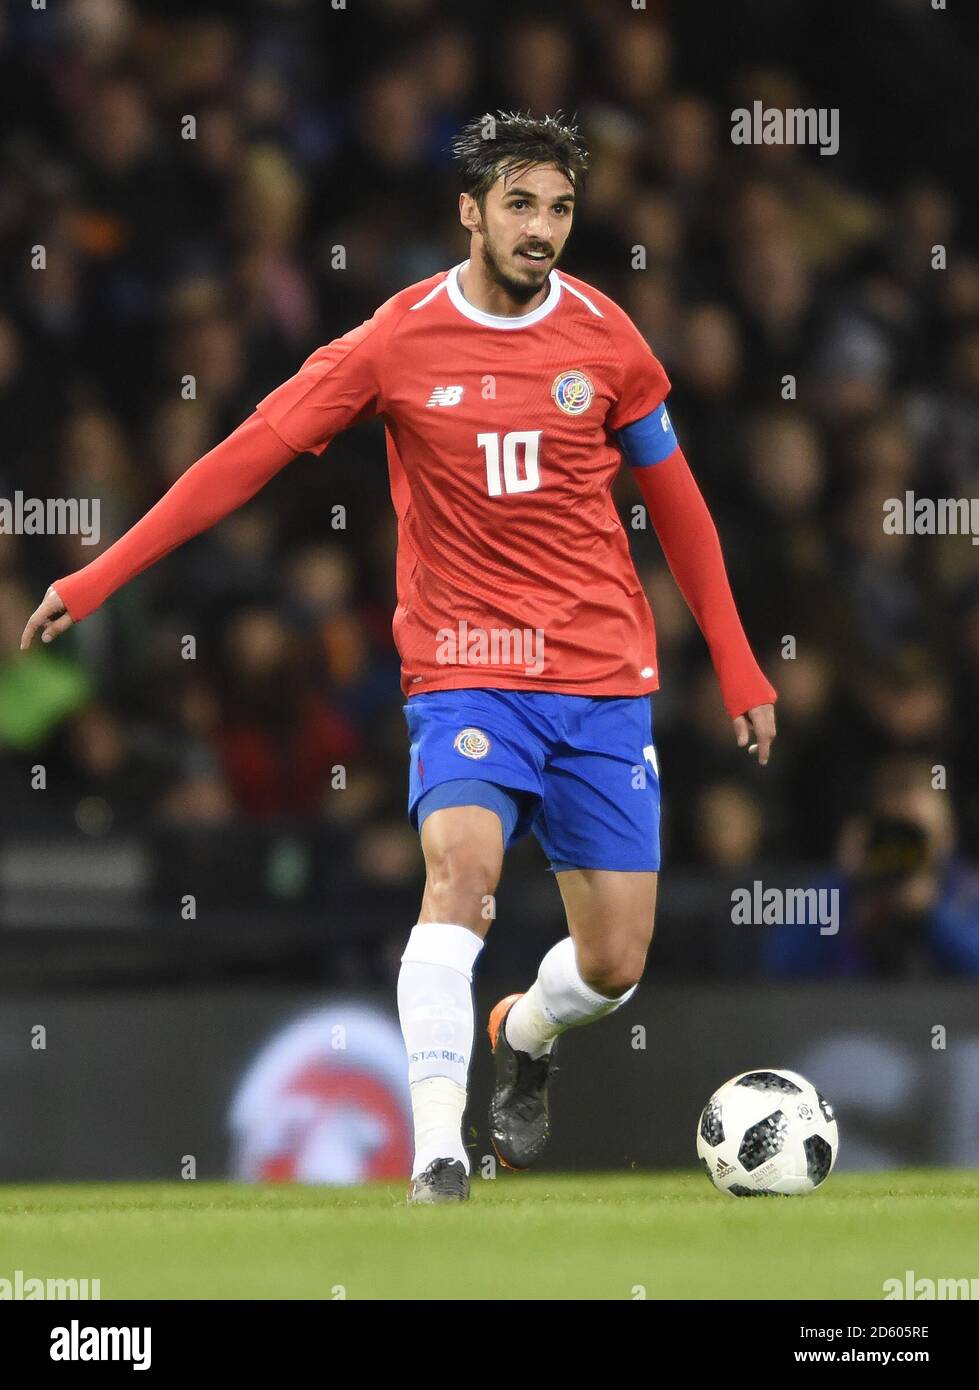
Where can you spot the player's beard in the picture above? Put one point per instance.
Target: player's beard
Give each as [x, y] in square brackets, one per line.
[521, 291]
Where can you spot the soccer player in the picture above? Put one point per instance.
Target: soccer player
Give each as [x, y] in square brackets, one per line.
[510, 392]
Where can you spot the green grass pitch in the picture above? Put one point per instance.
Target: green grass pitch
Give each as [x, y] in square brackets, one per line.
[605, 1236]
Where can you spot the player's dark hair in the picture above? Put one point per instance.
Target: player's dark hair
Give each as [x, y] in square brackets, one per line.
[490, 145]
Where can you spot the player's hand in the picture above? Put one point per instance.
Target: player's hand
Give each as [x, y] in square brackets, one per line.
[759, 721]
[51, 618]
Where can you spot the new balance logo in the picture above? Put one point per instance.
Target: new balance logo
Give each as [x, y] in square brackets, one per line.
[445, 395]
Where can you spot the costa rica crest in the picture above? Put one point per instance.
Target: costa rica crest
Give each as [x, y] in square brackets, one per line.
[572, 392]
[471, 743]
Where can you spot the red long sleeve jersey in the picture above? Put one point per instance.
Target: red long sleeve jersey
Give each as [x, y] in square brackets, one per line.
[501, 462]
[514, 570]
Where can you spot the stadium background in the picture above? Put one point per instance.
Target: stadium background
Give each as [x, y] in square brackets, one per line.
[317, 185]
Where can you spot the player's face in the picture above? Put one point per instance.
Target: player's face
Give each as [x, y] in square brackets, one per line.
[525, 221]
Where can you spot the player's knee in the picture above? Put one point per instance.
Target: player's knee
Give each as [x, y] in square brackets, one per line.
[461, 877]
[612, 973]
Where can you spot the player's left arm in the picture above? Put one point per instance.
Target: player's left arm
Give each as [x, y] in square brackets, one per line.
[687, 533]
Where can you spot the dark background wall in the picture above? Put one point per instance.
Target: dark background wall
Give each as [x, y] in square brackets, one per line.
[128, 1085]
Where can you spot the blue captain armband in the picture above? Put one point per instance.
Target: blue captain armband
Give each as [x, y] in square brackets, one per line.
[649, 440]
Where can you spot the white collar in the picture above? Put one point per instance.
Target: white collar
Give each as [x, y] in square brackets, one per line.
[504, 321]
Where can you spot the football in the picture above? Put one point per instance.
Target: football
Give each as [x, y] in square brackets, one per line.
[767, 1134]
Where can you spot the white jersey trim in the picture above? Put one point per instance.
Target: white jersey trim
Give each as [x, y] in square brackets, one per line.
[583, 297]
[431, 295]
[501, 321]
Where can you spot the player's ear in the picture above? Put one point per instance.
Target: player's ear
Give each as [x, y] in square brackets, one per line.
[468, 212]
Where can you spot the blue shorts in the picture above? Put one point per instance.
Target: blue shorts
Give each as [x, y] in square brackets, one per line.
[579, 771]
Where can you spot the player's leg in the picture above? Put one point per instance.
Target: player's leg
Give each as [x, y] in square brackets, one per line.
[610, 920]
[595, 969]
[466, 756]
[599, 825]
[463, 848]
[589, 974]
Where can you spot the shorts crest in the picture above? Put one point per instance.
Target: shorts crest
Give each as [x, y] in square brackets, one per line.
[471, 743]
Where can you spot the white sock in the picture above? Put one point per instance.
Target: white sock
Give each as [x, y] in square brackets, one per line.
[437, 1107]
[558, 1000]
[436, 1010]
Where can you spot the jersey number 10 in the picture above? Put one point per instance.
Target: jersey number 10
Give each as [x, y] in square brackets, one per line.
[512, 479]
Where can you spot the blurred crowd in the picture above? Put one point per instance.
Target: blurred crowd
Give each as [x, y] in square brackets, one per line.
[821, 364]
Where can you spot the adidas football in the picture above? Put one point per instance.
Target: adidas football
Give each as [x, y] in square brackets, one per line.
[767, 1134]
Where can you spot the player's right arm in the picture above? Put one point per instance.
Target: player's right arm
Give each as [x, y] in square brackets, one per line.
[215, 485]
[337, 386]
[687, 533]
